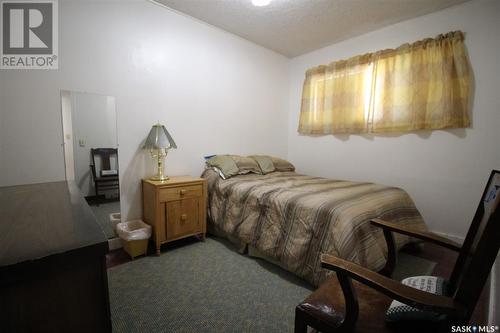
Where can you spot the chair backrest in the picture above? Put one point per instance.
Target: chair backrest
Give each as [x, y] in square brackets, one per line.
[480, 248]
[104, 155]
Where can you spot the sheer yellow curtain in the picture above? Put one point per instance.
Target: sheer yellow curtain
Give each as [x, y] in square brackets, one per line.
[421, 86]
[333, 97]
[424, 85]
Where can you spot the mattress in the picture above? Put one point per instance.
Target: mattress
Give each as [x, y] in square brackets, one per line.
[293, 218]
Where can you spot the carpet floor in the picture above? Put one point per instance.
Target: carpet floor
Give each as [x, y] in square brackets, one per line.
[209, 287]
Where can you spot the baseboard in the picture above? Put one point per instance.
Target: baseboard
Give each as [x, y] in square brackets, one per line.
[455, 238]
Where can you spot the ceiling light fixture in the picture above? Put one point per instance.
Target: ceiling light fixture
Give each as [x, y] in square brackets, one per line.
[261, 3]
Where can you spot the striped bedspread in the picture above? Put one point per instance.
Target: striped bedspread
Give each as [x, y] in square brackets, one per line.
[294, 218]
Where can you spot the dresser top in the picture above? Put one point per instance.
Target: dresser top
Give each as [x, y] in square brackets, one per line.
[40, 220]
[175, 180]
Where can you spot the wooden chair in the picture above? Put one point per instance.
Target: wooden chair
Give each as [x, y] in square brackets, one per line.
[343, 305]
[103, 182]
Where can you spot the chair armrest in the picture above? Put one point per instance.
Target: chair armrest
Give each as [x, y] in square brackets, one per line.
[392, 288]
[423, 235]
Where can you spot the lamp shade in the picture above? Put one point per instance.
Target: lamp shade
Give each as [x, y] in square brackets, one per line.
[159, 138]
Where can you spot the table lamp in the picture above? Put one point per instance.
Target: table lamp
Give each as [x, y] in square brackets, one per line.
[159, 142]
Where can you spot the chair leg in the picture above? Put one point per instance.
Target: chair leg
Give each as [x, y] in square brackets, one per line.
[300, 324]
[96, 184]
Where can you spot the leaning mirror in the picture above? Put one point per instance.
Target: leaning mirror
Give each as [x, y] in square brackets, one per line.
[91, 153]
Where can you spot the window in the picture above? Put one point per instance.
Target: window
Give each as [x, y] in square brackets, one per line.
[424, 85]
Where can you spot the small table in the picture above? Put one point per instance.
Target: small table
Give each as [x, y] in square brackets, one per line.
[175, 208]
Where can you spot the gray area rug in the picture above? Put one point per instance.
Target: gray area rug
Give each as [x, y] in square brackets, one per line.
[209, 287]
[409, 265]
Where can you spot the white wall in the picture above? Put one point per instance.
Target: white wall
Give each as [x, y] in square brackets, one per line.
[494, 301]
[218, 93]
[2, 127]
[215, 92]
[444, 171]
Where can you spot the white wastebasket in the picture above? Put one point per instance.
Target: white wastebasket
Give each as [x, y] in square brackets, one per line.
[134, 236]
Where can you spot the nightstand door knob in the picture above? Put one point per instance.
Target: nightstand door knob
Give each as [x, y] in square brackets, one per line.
[182, 192]
[184, 217]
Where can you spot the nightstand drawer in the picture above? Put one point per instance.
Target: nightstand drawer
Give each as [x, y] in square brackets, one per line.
[181, 192]
[182, 218]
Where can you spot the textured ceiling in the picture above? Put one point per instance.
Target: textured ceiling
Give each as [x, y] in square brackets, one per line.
[295, 27]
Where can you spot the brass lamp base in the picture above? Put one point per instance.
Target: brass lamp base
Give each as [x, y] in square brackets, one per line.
[160, 156]
[160, 178]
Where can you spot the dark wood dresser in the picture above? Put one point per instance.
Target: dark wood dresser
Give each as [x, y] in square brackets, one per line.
[52, 261]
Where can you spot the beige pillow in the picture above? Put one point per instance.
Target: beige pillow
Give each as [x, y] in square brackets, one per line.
[225, 164]
[265, 163]
[282, 165]
[246, 164]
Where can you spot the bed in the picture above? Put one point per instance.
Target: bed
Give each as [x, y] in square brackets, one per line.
[290, 218]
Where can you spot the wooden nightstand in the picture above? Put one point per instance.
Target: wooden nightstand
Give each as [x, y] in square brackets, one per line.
[175, 208]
